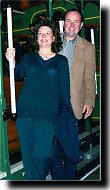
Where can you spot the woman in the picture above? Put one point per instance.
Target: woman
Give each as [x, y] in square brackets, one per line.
[46, 85]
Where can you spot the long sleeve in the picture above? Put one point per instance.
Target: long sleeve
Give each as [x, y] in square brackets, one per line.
[89, 77]
[64, 84]
[20, 70]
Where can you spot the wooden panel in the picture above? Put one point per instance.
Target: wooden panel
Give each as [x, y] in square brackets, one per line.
[97, 67]
[14, 145]
[24, 4]
[13, 141]
[12, 132]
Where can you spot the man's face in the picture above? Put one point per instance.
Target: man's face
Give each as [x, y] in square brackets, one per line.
[72, 24]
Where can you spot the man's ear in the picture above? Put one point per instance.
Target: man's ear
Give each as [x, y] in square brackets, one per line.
[81, 25]
[63, 23]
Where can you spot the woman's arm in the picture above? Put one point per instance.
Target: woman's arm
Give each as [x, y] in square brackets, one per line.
[20, 70]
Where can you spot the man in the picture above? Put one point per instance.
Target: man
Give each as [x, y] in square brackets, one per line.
[81, 58]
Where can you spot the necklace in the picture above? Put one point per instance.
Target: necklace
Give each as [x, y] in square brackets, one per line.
[46, 56]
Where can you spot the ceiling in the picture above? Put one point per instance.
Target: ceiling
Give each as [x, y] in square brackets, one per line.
[15, 5]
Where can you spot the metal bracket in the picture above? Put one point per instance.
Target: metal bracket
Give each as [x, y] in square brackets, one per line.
[8, 115]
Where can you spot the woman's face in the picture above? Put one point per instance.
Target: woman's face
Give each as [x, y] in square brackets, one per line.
[45, 37]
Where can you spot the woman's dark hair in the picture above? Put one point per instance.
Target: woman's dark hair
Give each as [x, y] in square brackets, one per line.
[57, 44]
[73, 10]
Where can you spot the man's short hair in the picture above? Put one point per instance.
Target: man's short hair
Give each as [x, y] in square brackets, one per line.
[73, 10]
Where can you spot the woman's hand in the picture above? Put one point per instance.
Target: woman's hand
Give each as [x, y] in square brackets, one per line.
[10, 53]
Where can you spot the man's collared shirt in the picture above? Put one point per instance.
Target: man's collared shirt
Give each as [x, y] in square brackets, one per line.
[68, 49]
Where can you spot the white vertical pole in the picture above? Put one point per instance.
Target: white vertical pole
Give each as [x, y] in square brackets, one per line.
[92, 40]
[92, 36]
[61, 26]
[11, 61]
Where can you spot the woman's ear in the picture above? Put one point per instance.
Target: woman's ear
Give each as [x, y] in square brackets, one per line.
[53, 38]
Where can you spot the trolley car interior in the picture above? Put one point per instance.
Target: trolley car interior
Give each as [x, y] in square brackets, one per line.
[11, 166]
